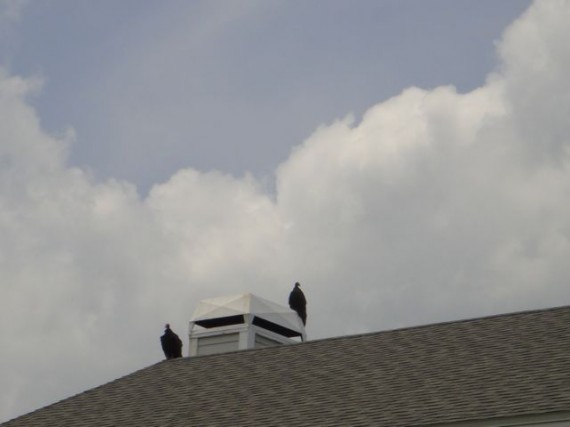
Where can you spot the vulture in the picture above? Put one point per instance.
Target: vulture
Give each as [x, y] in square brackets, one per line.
[298, 303]
[171, 343]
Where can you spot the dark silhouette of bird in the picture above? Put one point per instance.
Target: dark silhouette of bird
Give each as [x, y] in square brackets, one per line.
[298, 302]
[171, 343]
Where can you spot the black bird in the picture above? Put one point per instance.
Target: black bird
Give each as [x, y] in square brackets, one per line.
[171, 343]
[298, 302]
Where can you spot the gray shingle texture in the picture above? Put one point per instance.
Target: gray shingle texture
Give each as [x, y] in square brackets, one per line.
[501, 366]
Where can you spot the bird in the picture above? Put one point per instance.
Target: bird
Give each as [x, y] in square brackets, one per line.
[298, 302]
[171, 343]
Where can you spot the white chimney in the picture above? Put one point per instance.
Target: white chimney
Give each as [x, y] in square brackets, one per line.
[242, 322]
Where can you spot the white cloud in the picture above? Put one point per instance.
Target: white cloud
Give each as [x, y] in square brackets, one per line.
[434, 206]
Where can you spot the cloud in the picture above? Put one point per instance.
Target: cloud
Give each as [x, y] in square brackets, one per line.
[435, 205]
[10, 10]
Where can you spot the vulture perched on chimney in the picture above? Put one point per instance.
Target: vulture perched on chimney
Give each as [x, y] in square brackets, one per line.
[298, 302]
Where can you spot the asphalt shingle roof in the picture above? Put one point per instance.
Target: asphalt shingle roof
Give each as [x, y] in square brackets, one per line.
[500, 366]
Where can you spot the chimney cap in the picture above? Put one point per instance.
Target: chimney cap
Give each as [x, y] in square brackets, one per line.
[242, 304]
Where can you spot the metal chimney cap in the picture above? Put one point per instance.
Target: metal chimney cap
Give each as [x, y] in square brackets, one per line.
[242, 304]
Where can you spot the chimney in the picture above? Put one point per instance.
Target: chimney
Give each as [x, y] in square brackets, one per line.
[242, 322]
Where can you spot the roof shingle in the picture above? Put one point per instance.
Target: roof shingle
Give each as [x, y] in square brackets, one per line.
[500, 366]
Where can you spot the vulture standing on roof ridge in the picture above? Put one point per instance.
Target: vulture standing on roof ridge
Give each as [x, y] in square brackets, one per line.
[298, 302]
[171, 343]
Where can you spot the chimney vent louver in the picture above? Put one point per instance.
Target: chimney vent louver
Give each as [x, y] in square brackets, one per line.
[242, 322]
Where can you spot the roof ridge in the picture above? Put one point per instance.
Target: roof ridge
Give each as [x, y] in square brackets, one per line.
[386, 331]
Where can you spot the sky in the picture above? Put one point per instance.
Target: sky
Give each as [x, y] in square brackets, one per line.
[407, 161]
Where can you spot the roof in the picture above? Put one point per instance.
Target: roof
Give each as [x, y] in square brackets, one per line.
[501, 366]
[236, 305]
